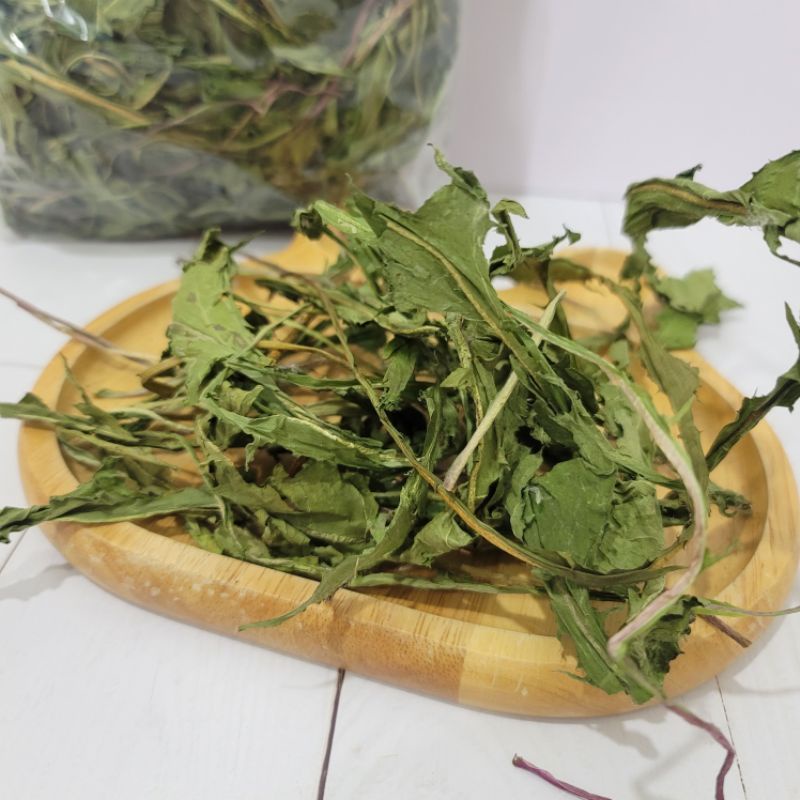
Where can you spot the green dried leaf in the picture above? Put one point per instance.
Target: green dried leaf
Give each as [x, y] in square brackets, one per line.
[697, 294]
[441, 535]
[207, 328]
[654, 650]
[785, 393]
[770, 200]
[676, 330]
[107, 497]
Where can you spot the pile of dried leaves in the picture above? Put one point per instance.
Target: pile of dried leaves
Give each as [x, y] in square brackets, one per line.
[362, 426]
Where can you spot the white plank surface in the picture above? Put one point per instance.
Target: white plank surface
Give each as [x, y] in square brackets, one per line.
[99, 698]
[391, 743]
[762, 700]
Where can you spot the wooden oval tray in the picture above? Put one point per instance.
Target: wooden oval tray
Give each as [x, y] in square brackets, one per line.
[494, 652]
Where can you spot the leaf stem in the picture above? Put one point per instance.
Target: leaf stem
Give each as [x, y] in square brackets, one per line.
[495, 407]
[716, 622]
[75, 332]
[718, 736]
[29, 73]
[569, 788]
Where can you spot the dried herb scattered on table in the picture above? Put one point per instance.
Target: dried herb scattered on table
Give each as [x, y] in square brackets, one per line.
[389, 420]
[162, 117]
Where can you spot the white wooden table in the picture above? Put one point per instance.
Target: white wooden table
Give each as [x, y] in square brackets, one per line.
[100, 699]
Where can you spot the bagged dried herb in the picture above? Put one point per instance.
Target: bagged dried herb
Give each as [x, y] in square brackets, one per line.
[162, 117]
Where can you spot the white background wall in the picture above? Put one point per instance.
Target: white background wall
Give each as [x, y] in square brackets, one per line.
[578, 98]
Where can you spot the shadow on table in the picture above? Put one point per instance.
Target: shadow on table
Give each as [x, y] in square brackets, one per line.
[49, 578]
[730, 676]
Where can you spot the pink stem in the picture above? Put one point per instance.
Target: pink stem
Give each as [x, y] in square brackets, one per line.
[575, 791]
[718, 736]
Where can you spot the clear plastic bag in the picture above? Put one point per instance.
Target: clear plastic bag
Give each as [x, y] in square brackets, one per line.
[147, 118]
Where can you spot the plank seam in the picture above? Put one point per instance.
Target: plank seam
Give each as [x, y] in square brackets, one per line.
[13, 549]
[730, 736]
[323, 777]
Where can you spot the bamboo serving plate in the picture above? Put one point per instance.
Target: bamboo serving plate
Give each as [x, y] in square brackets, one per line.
[494, 652]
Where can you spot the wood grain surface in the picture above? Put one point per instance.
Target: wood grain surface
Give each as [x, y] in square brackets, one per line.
[497, 653]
